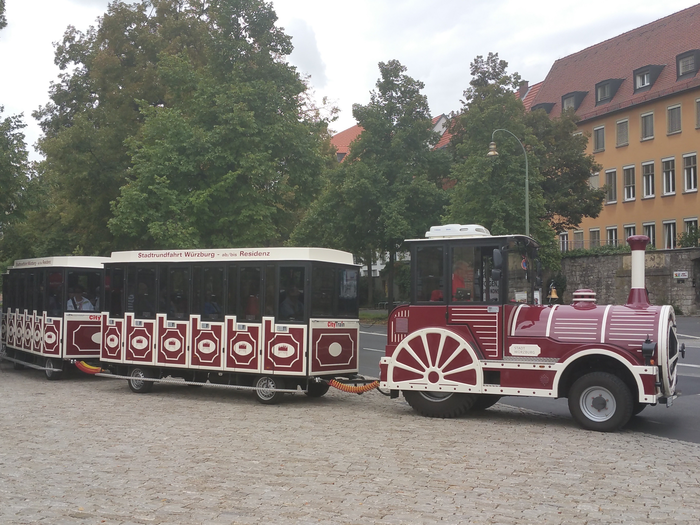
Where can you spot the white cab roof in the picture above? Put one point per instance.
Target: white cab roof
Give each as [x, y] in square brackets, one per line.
[233, 255]
[68, 261]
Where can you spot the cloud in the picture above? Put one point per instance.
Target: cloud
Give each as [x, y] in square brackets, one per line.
[306, 55]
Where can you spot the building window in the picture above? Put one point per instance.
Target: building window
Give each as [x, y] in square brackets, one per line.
[578, 240]
[669, 174]
[611, 186]
[648, 126]
[594, 180]
[650, 231]
[686, 64]
[669, 235]
[594, 237]
[569, 102]
[690, 172]
[622, 128]
[628, 176]
[599, 139]
[690, 224]
[611, 235]
[648, 179]
[697, 113]
[564, 242]
[603, 92]
[643, 79]
[674, 119]
[630, 230]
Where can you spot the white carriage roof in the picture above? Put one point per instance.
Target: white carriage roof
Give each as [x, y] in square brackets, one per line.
[67, 262]
[235, 254]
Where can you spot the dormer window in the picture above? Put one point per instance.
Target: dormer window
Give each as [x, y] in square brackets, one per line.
[605, 90]
[572, 100]
[687, 63]
[644, 77]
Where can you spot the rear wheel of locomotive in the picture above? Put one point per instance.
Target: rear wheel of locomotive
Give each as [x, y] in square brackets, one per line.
[601, 401]
[56, 365]
[484, 401]
[266, 387]
[136, 380]
[439, 404]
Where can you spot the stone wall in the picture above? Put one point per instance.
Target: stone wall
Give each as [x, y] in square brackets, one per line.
[610, 277]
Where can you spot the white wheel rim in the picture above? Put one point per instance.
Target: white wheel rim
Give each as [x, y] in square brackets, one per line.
[598, 403]
[137, 379]
[265, 384]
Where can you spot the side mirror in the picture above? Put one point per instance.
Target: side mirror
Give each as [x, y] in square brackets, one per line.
[497, 265]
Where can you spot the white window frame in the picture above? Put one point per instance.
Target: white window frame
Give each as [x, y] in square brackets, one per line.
[578, 239]
[594, 180]
[697, 113]
[596, 146]
[669, 183]
[688, 70]
[629, 230]
[590, 237]
[643, 79]
[569, 102]
[608, 193]
[641, 125]
[603, 92]
[618, 141]
[648, 189]
[670, 235]
[649, 229]
[564, 242]
[611, 238]
[690, 221]
[690, 176]
[670, 131]
[629, 186]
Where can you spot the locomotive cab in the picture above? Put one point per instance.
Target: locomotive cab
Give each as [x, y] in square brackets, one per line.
[477, 329]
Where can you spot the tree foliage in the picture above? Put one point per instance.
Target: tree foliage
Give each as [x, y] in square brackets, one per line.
[177, 122]
[3, 19]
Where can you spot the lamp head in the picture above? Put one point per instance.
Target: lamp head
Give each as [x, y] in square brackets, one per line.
[492, 150]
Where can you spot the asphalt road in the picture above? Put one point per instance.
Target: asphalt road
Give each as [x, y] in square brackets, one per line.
[681, 421]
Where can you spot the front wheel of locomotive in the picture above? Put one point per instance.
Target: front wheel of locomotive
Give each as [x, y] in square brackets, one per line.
[601, 401]
[485, 401]
[315, 389]
[266, 389]
[137, 383]
[439, 404]
[53, 369]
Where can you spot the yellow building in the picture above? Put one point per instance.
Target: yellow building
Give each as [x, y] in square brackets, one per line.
[638, 99]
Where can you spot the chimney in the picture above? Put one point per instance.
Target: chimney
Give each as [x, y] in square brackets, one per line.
[638, 294]
[524, 87]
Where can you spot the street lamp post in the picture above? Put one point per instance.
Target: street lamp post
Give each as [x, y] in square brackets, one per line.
[493, 153]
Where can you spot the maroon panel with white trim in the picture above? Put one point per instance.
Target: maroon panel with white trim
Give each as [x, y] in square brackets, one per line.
[283, 348]
[139, 338]
[38, 334]
[53, 336]
[334, 346]
[206, 344]
[83, 335]
[242, 346]
[112, 348]
[172, 342]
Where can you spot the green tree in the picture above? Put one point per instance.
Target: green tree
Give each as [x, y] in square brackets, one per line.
[177, 122]
[3, 20]
[491, 190]
[388, 187]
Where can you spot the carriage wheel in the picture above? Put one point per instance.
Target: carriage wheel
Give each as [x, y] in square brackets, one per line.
[317, 389]
[438, 404]
[136, 380]
[266, 387]
[484, 401]
[53, 375]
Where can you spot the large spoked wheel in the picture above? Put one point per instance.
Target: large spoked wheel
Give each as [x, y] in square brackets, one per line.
[484, 401]
[136, 380]
[317, 389]
[439, 404]
[266, 387]
[600, 401]
[54, 369]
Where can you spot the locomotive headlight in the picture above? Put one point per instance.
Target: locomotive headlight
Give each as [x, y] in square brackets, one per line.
[648, 349]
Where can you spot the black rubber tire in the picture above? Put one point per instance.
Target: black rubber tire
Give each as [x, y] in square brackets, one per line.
[317, 389]
[53, 363]
[484, 401]
[265, 385]
[136, 384]
[601, 401]
[437, 404]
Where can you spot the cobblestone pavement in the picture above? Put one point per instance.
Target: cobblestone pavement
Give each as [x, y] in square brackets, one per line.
[86, 450]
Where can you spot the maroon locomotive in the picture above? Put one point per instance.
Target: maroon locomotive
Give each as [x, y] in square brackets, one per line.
[476, 330]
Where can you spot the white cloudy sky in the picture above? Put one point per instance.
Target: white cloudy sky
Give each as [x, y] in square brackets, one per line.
[340, 43]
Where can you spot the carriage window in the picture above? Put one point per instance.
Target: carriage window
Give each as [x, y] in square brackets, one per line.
[520, 276]
[31, 291]
[40, 291]
[141, 298]
[322, 291]
[270, 291]
[463, 275]
[249, 305]
[83, 290]
[291, 296]
[348, 305]
[430, 283]
[21, 292]
[179, 293]
[232, 291]
[55, 294]
[213, 286]
[114, 288]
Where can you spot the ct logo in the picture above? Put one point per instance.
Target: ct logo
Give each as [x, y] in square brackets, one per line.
[112, 341]
[50, 338]
[243, 348]
[139, 342]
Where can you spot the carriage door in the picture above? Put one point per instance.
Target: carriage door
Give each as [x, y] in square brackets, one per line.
[243, 319]
[207, 329]
[113, 317]
[474, 297]
[140, 317]
[286, 320]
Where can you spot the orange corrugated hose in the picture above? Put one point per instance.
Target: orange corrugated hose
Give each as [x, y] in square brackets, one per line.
[354, 389]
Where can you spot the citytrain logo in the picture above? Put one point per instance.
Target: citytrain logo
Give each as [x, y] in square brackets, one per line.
[336, 324]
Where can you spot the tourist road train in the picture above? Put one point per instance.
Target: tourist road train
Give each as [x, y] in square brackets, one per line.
[283, 320]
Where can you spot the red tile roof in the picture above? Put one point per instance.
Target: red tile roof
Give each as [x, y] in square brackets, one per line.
[530, 95]
[657, 43]
[342, 140]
